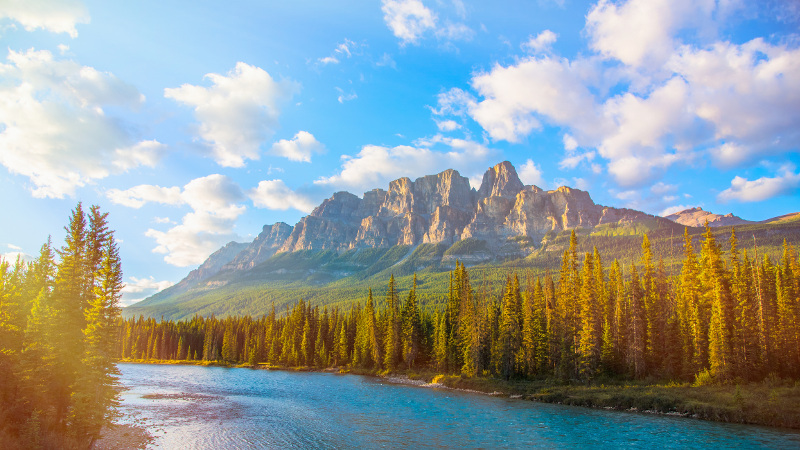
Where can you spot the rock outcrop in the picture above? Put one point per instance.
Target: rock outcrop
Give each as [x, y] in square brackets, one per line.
[697, 217]
[266, 244]
[439, 208]
[433, 208]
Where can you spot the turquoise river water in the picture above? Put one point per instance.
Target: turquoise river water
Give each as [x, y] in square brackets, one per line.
[216, 408]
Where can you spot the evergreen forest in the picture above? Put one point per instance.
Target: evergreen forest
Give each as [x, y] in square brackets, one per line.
[59, 317]
[726, 316]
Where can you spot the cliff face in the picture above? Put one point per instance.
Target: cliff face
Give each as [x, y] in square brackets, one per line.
[443, 208]
[266, 244]
[434, 208]
[439, 208]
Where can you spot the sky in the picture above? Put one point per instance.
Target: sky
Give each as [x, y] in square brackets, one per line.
[196, 123]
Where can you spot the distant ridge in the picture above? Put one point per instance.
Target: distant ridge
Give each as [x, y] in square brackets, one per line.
[697, 217]
[424, 225]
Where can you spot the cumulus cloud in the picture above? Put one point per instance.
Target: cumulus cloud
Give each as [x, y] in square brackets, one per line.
[447, 125]
[764, 188]
[274, 194]
[570, 144]
[237, 113]
[540, 43]
[408, 19]
[531, 174]
[376, 165]
[645, 100]
[55, 129]
[214, 200]
[137, 289]
[518, 97]
[749, 94]
[56, 16]
[639, 32]
[299, 148]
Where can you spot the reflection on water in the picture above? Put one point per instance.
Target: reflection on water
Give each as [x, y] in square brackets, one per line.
[213, 407]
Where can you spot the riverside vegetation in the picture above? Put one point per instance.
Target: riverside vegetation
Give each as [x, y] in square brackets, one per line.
[58, 335]
[720, 340]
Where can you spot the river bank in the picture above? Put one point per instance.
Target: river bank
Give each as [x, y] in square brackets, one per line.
[773, 402]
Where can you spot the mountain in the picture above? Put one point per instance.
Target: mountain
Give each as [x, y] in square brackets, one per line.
[697, 217]
[349, 243]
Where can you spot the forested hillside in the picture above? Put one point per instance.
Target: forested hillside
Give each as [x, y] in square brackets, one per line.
[58, 334]
[328, 278]
[724, 315]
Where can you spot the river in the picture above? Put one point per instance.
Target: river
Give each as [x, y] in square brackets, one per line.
[214, 407]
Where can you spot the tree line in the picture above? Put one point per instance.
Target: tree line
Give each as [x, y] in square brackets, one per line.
[725, 316]
[58, 334]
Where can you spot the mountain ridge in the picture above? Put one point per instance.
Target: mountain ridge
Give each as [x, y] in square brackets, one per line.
[427, 223]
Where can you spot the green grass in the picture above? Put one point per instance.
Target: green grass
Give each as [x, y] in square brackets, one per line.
[768, 403]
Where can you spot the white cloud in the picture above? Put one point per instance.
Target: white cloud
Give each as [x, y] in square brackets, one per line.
[54, 128]
[376, 166]
[571, 162]
[673, 209]
[570, 144]
[641, 32]
[299, 148]
[455, 32]
[646, 100]
[238, 113]
[541, 43]
[346, 97]
[749, 93]
[518, 96]
[137, 289]
[11, 257]
[214, 200]
[531, 174]
[637, 144]
[455, 102]
[662, 188]
[274, 194]
[344, 49]
[138, 196]
[56, 16]
[448, 125]
[581, 183]
[408, 19]
[763, 188]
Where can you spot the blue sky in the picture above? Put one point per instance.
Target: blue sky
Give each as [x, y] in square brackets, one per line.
[196, 123]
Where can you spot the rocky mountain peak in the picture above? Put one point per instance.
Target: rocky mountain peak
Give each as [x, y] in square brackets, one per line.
[697, 217]
[341, 205]
[500, 181]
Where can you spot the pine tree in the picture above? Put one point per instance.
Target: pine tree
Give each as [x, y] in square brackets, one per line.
[637, 329]
[590, 330]
[412, 327]
[392, 335]
[717, 293]
[510, 336]
[95, 396]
